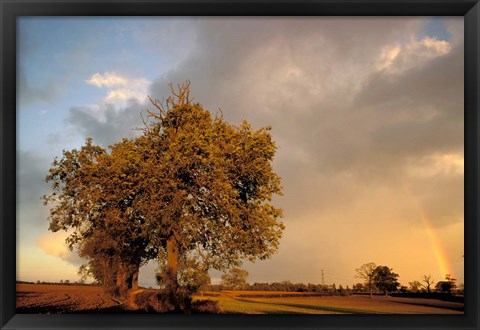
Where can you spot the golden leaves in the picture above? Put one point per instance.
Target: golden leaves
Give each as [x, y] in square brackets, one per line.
[190, 173]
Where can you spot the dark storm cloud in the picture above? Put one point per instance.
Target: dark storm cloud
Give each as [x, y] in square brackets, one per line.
[237, 58]
[31, 171]
[27, 94]
[237, 69]
[31, 213]
[443, 208]
[115, 125]
[438, 86]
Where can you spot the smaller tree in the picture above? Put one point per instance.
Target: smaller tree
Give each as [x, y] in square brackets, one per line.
[461, 289]
[428, 280]
[287, 286]
[385, 279]
[366, 272]
[414, 286]
[194, 276]
[235, 278]
[192, 273]
[446, 286]
[358, 288]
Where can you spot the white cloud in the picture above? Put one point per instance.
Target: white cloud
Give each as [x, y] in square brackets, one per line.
[54, 245]
[108, 79]
[124, 94]
[121, 91]
[397, 58]
[433, 47]
[388, 56]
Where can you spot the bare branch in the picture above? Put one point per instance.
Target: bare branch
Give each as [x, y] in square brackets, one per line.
[182, 94]
[146, 128]
[221, 114]
[153, 114]
[159, 106]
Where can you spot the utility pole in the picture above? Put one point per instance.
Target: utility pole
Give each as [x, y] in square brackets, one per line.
[323, 279]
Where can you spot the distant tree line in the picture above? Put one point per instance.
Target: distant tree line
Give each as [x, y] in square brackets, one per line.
[382, 284]
[382, 280]
[284, 286]
[60, 282]
[377, 280]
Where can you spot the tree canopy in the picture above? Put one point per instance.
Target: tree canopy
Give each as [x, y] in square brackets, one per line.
[385, 279]
[447, 285]
[235, 278]
[428, 280]
[93, 192]
[191, 183]
[366, 272]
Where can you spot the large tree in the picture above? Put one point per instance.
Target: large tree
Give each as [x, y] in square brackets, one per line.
[366, 272]
[191, 183]
[102, 259]
[208, 186]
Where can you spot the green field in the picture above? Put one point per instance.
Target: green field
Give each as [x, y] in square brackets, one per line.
[286, 303]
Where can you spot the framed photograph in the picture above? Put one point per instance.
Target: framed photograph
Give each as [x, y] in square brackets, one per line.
[225, 164]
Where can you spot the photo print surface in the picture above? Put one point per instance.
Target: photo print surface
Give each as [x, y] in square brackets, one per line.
[309, 165]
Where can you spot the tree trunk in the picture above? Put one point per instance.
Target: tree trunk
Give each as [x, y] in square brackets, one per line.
[107, 276]
[121, 284]
[171, 282]
[135, 279]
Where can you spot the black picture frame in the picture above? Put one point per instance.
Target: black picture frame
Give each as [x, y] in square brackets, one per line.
[10, 10]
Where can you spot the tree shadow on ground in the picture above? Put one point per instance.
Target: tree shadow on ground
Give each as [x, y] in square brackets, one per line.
[449, 307]
[311, 307]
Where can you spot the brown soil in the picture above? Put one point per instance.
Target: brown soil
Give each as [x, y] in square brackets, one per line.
[56, 299]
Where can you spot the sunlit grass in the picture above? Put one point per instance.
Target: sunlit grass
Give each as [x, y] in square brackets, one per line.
[232, 305]
[271, 303]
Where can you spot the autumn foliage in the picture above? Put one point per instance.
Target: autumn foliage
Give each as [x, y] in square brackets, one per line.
[191, 185]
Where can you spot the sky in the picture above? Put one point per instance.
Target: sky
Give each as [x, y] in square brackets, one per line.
[367, 114]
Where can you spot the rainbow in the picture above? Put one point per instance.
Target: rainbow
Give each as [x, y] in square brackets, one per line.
[439, 252]
[440, 255]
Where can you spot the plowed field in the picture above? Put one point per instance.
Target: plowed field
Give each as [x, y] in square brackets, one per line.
[54, 299]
